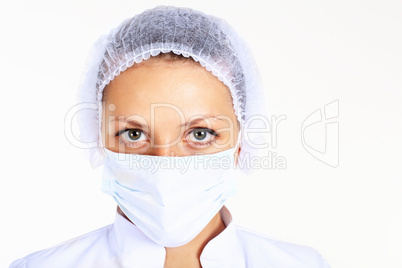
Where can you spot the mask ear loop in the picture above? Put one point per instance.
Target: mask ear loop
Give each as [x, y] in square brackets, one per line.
[237, 145]
[231, 181]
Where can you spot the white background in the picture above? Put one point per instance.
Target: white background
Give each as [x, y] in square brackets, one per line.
[310, 53]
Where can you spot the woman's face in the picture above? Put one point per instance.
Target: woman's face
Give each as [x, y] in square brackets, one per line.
[168, 109]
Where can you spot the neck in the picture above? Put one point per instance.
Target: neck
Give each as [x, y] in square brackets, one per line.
[189, 254]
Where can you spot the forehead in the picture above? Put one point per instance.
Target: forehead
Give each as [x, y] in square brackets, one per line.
[183, 85]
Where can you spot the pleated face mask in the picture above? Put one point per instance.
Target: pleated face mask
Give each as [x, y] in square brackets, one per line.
[170, 199]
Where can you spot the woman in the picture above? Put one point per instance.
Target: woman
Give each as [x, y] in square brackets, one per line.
[174, 91]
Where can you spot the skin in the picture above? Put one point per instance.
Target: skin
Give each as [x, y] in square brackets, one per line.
[188, 92]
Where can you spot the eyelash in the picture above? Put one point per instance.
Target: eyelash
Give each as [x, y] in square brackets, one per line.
[197, 144]
[127, 143]
[210, 131]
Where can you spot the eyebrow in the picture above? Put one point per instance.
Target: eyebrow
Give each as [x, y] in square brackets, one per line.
[188, 123]
[130, 122]
[204, 118]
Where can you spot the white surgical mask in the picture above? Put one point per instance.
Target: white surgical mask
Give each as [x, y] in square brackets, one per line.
[170, 199]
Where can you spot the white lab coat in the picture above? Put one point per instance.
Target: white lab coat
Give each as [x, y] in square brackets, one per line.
[122, 244]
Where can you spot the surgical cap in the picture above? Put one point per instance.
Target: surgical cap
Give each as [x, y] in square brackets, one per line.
[207, 39]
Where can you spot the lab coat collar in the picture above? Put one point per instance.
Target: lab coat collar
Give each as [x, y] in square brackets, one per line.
[140, 251]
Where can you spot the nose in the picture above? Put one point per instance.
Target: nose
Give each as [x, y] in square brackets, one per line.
[164, 152]
[165, 145]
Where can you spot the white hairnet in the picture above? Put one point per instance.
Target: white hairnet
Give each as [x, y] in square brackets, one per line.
[209, 40]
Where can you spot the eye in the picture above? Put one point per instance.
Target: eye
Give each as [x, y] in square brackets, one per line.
[130, 136]
[201, 135]
[133, 134]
